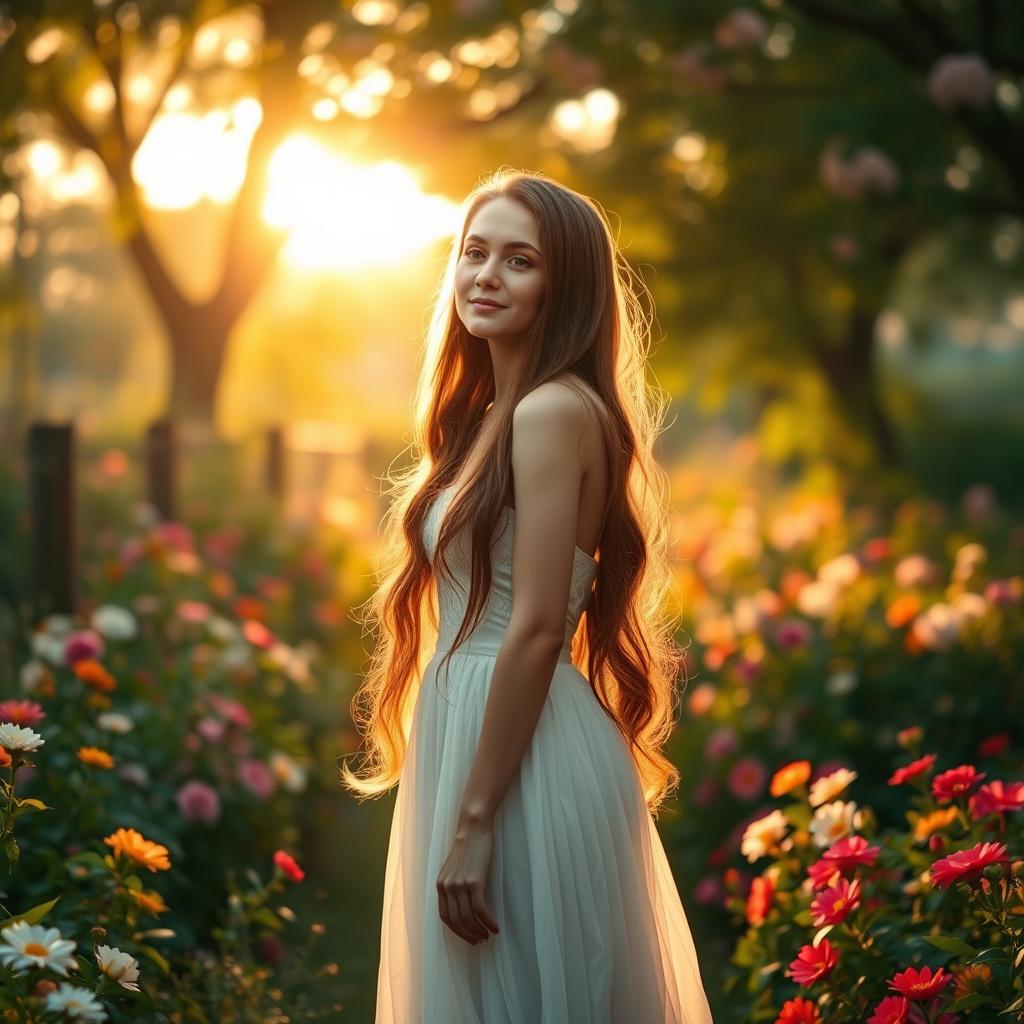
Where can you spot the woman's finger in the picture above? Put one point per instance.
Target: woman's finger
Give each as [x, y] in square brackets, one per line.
[481, 911]
[468, 916]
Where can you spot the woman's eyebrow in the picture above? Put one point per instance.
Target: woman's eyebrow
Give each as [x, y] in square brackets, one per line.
[508, 245]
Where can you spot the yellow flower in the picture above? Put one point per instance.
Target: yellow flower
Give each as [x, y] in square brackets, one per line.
[96, 757]
[149, 901]
[934, 822]
[132, 845]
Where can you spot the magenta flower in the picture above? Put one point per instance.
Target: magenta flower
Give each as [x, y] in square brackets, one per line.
[747, 778]
[792, 633]
[198, 801]
[81, 645]
[257, 778]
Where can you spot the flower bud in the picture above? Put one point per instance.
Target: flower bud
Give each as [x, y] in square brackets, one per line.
[936, 842]
[42, 987]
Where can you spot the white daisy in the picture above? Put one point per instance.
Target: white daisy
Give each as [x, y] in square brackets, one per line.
[114, 622]
[118, 966]
[830, 786]
[832, 822]
[18, 737]
[76, 1002]
[114, 721]
[31, 945]
[762, 835]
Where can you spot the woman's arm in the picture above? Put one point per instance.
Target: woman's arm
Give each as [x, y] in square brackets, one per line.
[548, 426]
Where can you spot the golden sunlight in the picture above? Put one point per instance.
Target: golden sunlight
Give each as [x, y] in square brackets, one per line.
[341, 215]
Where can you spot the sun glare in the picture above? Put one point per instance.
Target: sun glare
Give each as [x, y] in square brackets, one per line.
[341, 215]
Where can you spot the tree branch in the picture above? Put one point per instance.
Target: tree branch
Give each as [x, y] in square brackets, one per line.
[185, 44]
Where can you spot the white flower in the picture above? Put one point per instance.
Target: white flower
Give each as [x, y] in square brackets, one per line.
[761, 835]
[145, 514]
[960, 79]
[832, 822]
[32, 673]
[840, 683]
[818, 598]
[58, 625]
[114, 622]
[967, 559]
[114, 721]
[915, 571]
[288, 771]
[135, 773]
[76, 1002]
[937, 627]
[967, 607]
[118, 966]
[17, 737]
[48, 647]
[32, 945]
[842, 570]
[830, 786]
[223, 629]
[235, 656]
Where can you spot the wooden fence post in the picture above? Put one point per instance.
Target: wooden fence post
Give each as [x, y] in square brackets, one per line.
[161, 468]
[54, 548]
[275, 463]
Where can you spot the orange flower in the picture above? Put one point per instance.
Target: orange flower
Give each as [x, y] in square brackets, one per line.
[973, 978]
[5, 758]
[93, 674]
[246, 607]
[148, 900]
[96, 757]
[934, 822]
[903, 610]
[759, 900]
[131, 844]
[221, 584]
[789, 776]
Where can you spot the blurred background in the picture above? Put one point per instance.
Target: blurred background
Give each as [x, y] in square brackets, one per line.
[221, 229]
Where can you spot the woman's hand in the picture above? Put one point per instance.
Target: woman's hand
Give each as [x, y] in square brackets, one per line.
[461, 884]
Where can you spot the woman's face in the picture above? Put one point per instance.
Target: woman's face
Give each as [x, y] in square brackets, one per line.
[500, 262]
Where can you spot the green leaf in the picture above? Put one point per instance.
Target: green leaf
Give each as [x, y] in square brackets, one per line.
[1013, 1007]
[33, 916]
[11, 850]
[951, 944]
[267, 917]
[974, 999]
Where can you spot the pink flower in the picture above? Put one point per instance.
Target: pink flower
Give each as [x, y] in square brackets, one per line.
[211, 729]
[960, 80]
[287, 863]
[257, 778]
[21, 712]
[747, 778]
[792, 633]
[81, 645]
[194, 611]
[831, 905]
[705, 791]
[1002, 593]
[232, 710]
[721, 743]
[708, 889]
[741, 27]
[967, 865]
[198, 801]
[176, 536]
[992, 798]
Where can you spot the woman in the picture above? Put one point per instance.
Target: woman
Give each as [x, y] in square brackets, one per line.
[526, 882]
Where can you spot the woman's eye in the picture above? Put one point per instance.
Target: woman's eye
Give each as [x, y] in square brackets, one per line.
[526, 263]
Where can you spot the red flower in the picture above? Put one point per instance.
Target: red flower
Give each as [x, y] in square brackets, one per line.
[21, 712]
[955, 782]
[994, 745]
[798, 1011]
[759, 900]
[833, 904]
[813, 962]
[287, 864]
[967, 865]
[922, 984]
[996, 796]
[912, 770]
[891, 1010]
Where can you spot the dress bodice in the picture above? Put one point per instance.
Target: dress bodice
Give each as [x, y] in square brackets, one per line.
[453, 596]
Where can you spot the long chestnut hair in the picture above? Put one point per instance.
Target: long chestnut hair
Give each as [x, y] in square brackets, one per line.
[591, 325]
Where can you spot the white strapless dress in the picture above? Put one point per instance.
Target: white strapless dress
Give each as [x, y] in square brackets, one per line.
[592, 927]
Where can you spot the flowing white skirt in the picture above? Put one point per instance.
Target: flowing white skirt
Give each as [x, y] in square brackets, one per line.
[592, 927]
